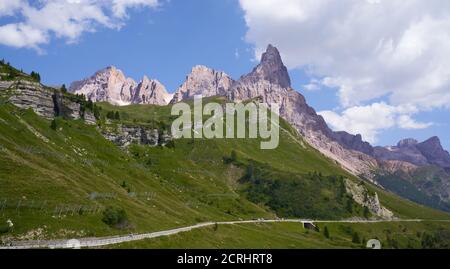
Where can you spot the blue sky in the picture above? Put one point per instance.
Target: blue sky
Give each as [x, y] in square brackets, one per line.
[165, 41]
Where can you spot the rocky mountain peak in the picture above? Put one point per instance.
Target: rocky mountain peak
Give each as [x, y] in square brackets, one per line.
[270, 81]
[150, 91]
[429, 152]
[434, 152]
[271, 68]
[107, 85]
[433, 141]
[407, 142]
[354, 142]
[111, 85]
[205, 81]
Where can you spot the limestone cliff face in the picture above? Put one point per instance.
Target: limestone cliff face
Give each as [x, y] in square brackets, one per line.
[26, 94]
[107, 85]
[44, 101]
[354, 142]
[111, 85]
[150, 91]
[363, 197]
[205, 81]
[125, 135]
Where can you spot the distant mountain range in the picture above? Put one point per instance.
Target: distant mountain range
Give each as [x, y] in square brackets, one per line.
[270, 82]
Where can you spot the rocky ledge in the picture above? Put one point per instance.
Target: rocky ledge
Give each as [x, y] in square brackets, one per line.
[46, 102]
[125, 135]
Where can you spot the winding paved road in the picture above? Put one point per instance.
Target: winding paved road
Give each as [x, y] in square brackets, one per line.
[104, 241]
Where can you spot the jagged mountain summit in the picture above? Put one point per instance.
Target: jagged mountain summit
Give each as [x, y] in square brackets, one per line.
[205, 81]
[150, 91]
[429, 152]
[111, 85]
[270, 69]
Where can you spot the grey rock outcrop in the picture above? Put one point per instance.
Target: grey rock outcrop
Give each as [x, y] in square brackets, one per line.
[46, 102]
[26, 94]
[363, 197]
[125, 135]
[65, 108]
[89, 118]
[111, 85]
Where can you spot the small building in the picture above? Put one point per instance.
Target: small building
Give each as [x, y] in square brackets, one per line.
[309, 225]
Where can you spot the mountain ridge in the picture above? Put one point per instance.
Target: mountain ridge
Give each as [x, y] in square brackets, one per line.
[428, 152]
[111, 85]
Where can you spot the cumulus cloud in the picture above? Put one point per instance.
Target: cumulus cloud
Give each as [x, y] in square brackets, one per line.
[37, 23]
[365, 49]
[370, 120]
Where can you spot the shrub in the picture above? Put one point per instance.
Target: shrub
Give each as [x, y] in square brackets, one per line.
[233, 156]
[4, 229]
[110, 115]
[231, 159]
[36, 76]
[366, 212]
[326, 233]
[115, 217]
[170, 144]
[96, 112]
[355, 238]
[54, 124]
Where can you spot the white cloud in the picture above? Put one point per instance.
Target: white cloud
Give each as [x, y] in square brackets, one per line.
[406, 122]
[37, 24]
[120, 7]
[313, 85]
[21, 35]
[370, 120]
[366, 49]
[9, 7]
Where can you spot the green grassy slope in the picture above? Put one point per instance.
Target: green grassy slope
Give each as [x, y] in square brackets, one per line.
[421, 186]
[292, 156]
[56, 183]
[44, 170]
[9, 73]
